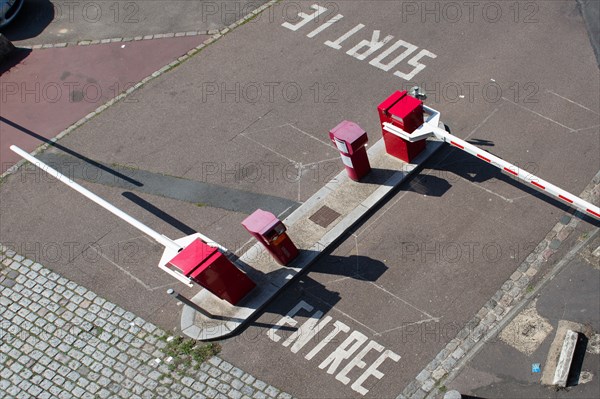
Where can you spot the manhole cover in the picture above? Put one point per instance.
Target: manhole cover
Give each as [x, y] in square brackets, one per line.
[324, 216]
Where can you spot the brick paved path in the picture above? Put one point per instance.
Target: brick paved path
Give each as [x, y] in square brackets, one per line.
[60, 340]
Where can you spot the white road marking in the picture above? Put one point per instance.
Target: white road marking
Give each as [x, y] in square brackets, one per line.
[358, 361]
[338, 326]
[407, 325]
[587, 128]
[372, 371]
[368, 47]
[343, 351]
[436, 319]
[325, 143]
[325, 25]
[487, 190]
[372, 46]
[337, 44]
[341, 312]
[305, 18]
[573, 102]
[133, 277]
[270, 149]
[378, 61]
[348, 351]
[415, 62]
[538, 114]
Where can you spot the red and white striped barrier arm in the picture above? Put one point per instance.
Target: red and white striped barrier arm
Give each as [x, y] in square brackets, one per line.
[431, 127]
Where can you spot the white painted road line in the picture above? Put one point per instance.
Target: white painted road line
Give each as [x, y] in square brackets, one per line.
[347, 351]
[366, 48]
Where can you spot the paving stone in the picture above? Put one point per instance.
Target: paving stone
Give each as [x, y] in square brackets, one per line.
[82, 353]
[272, 391]
[420, 394]
[423, 375]
[428, 385]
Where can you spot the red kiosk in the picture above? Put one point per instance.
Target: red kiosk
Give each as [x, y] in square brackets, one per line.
[211, 269]
[270, 232]
[405, 112]
[350, 139]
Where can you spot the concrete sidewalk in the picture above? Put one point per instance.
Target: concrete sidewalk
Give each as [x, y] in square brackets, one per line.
[343, 201]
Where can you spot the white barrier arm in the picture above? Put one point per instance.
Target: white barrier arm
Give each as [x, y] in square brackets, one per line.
[430, 127]
[165, 241]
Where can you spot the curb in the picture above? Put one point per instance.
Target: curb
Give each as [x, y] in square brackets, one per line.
[280, 278]
[506, 303]
[87, 42]
[216, 36]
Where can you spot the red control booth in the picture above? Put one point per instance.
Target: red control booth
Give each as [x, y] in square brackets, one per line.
[405, 112]
[350, 139]
[271, 233]
[211, 269]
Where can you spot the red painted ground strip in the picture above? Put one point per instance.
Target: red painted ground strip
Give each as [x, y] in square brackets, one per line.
[53, 88]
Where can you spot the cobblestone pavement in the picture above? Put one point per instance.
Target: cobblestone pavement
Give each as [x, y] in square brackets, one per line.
[60, 340]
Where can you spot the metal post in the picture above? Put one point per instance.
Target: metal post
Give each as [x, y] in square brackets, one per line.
[430, 127]
[188, 302]
[165, 241]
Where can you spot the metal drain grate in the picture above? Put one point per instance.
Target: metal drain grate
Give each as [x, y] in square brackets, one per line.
[324, 216]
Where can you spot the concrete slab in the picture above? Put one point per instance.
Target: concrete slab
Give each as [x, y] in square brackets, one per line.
[220, 319]
[566, 357]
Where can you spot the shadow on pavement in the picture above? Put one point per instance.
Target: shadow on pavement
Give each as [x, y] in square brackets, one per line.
[481, 142]
[70, 152]
[577, 362]
[164, 216]
[354, 266]
[357, 267]
[429, 185]
[474, 170]
[18, 55]
[280, 306]
[34, 17]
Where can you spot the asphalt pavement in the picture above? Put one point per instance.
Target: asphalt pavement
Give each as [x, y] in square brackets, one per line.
[501, 370]
[61, 21]
[251, 113]
[52, 89]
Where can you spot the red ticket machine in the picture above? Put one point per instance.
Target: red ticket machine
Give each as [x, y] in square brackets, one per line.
[405, 112]
[350, 139]
[211, 269]
[270, 231]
